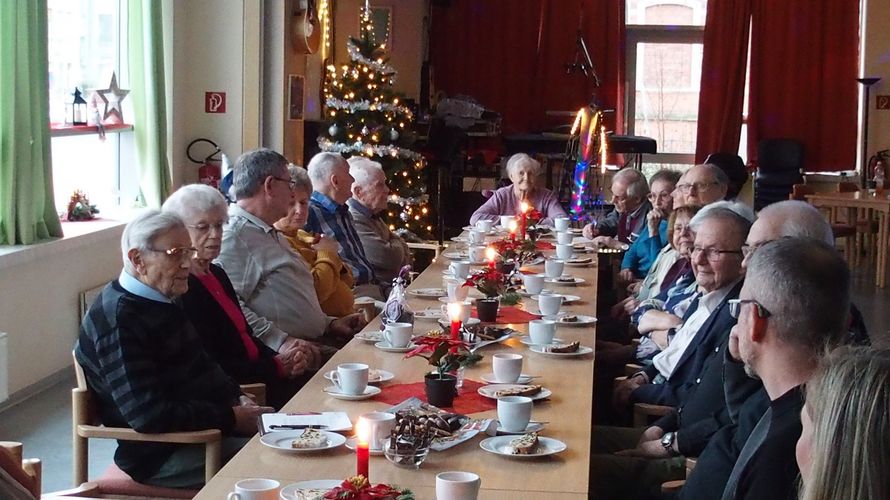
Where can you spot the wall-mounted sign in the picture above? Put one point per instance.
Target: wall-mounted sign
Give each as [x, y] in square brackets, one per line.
[214, 102]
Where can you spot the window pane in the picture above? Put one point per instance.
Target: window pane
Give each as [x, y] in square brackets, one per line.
[87, 164]
[667, 87]
[669, 12]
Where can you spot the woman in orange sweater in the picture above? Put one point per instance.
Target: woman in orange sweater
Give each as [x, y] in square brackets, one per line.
[333, 279]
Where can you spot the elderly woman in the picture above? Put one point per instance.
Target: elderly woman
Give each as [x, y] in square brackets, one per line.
[523, 171]
[333, 279]
[146, 364]
[212, 304]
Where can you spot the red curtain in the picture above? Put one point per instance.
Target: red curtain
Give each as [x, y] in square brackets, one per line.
[724, 62]
[510, 55]
[803, 78]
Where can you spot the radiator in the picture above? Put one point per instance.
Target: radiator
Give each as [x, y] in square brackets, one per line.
[4, 367]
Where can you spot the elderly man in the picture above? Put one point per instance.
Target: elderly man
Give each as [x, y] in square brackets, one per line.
[386, 252]
[275, 285]
[786, 219]
[329, 215]
[146, 363]
[627, 220]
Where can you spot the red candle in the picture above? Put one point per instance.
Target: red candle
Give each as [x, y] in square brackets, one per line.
[512, 228]
[454, 311]
[362, 449]
[523, 209]
[490, 254]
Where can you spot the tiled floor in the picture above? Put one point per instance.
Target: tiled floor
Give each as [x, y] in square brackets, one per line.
[43, 423]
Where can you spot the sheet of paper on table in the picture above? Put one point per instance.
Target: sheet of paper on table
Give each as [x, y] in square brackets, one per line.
[332, 420]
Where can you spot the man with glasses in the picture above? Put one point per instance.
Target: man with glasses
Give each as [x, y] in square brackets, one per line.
[626, 221]
[147, 365]
[632, 463]
[701, 185]
[641, 254]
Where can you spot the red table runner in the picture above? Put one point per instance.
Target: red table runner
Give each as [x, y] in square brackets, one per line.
[468, 400]
[511, 314]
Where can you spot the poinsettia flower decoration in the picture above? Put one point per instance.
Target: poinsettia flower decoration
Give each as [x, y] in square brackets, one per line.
[489, 281]
[358, 488]
[443, 352]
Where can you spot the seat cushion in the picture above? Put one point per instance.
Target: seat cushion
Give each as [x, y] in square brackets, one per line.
[116, 482]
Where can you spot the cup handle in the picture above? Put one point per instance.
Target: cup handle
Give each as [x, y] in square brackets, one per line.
[233, 496]
[387, 336]
[335, 378]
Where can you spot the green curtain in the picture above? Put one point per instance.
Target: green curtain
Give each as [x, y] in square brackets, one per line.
[145, 47]
[27, 210]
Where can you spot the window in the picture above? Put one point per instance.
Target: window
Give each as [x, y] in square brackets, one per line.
[664, 44]
[85, 45]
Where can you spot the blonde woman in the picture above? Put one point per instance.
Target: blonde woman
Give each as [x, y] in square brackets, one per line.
[844, 447]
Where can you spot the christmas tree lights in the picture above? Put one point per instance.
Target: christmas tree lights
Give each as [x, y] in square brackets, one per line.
[365, 116]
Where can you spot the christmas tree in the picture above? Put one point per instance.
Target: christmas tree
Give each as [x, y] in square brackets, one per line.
[365, 116]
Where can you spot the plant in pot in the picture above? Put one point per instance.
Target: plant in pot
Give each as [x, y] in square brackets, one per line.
[494, 285]
[447, 355]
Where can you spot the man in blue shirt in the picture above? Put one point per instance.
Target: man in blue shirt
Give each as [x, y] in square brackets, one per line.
[329, 215]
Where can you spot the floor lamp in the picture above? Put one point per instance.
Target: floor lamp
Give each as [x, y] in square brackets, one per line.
[863, 173]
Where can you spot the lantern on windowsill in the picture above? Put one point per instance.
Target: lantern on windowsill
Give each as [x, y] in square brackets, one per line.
[76, 110]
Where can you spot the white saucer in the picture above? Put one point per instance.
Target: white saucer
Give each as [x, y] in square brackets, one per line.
[527, 340]
[524, 293]
[309, 489]
[350, 443]
[374, 376]
[531, 427]
[430, 314]
[556, 281]
[384, 346]
[334, 392]
[488, 378]
[281, 440]
[579, 261]
[370, 336]
[565, 298]
[546, 446]
[582, 320]
[490, 391]
[582, 350]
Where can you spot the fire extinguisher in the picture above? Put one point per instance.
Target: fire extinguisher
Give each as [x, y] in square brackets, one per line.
[209, 173]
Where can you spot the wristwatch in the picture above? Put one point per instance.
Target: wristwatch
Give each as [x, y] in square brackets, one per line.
[667, 441]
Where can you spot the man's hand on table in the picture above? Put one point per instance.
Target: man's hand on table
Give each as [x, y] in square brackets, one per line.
[245, 418]
[589, 231]
[347, 326]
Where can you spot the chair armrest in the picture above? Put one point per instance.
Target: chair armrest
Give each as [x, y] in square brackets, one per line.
[642, 412]
[258, 391]
[85, 490]
[631, 368]
[125, 434]
[669, 487]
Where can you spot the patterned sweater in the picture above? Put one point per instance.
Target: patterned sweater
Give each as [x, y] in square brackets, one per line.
[149, 371]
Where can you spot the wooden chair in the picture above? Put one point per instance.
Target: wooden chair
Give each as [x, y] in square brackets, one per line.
[799, 192]
[673, 487]
[862, 219]
[86, 426]
[28, 473]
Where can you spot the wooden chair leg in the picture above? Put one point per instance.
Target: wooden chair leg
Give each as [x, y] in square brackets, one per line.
[212, 459]
[80, 450]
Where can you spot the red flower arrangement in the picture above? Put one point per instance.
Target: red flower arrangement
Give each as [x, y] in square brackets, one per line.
[517, 250]
[446, 354]
[358, 488]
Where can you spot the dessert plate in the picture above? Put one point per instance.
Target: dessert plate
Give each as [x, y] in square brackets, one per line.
[582, 351]
[374, 376]
[490, 391]
[314, 488]
[575, 320]
[335, 393]
[499, 446]
[430, 314]
[282, 440]
[579, 261]
[565, 281]
[370, 336]
[432, 293]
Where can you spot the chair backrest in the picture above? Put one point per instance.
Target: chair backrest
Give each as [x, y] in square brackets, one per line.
[799, 192]
[18, 474]
[85, 409]
[775, 155]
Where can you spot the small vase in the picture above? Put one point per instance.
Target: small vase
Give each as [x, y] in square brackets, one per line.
[506, 267]
[487, 309]
[440, 391]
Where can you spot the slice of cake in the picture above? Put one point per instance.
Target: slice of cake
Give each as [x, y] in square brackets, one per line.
[525, 444]
[563, 348]
[311, 438]
[519, 390]
[569, 318]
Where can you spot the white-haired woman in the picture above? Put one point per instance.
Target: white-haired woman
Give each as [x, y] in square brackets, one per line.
[213, 308]
[523, 171]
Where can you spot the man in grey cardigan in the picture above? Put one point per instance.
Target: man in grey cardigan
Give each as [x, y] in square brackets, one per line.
[386, 251]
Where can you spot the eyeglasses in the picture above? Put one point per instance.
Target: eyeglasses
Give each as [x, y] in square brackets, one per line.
[699, 186]
[714, 254]
[747, 250]
[203, 227]
[182, 253]
[735, 307]
[659, 196]
[291, 183]
[682, 228]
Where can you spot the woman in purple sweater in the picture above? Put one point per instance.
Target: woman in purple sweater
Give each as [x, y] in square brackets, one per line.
[523, 171]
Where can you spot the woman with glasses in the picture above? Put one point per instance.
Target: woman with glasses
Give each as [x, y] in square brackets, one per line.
[523, 171]
[213, 307]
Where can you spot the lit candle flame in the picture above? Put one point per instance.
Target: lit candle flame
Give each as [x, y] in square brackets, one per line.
[512, 226]
[362, 431]
[455, 309]
[490, 253]
[524, 207]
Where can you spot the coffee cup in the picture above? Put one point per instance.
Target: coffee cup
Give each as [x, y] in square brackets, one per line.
[534, 283]
[506, 220]
[459, 268]
[514, 413]
[351, 378]
[456, 290]
[564, 238]
[398, 334]
[367, 307]
[255, 489]
[564, 252]
[466, 307]
[476, 237]
[484, 225]
[541, 331]
[477, 254]
[380, 425]
[456, 485]
[507, 367]
[553, 268]
[549, 303]
[561, 224]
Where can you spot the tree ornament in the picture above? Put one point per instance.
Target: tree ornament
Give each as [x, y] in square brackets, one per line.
[394, 134]
[333, 130]
[112, 96]
[404, 216]
[365, 130]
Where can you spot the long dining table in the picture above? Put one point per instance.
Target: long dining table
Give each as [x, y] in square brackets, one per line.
[568, 413]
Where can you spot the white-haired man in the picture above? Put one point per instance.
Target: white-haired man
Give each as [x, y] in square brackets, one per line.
[274, 284]
[385, 250]
[329, 215]
[627, 220]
